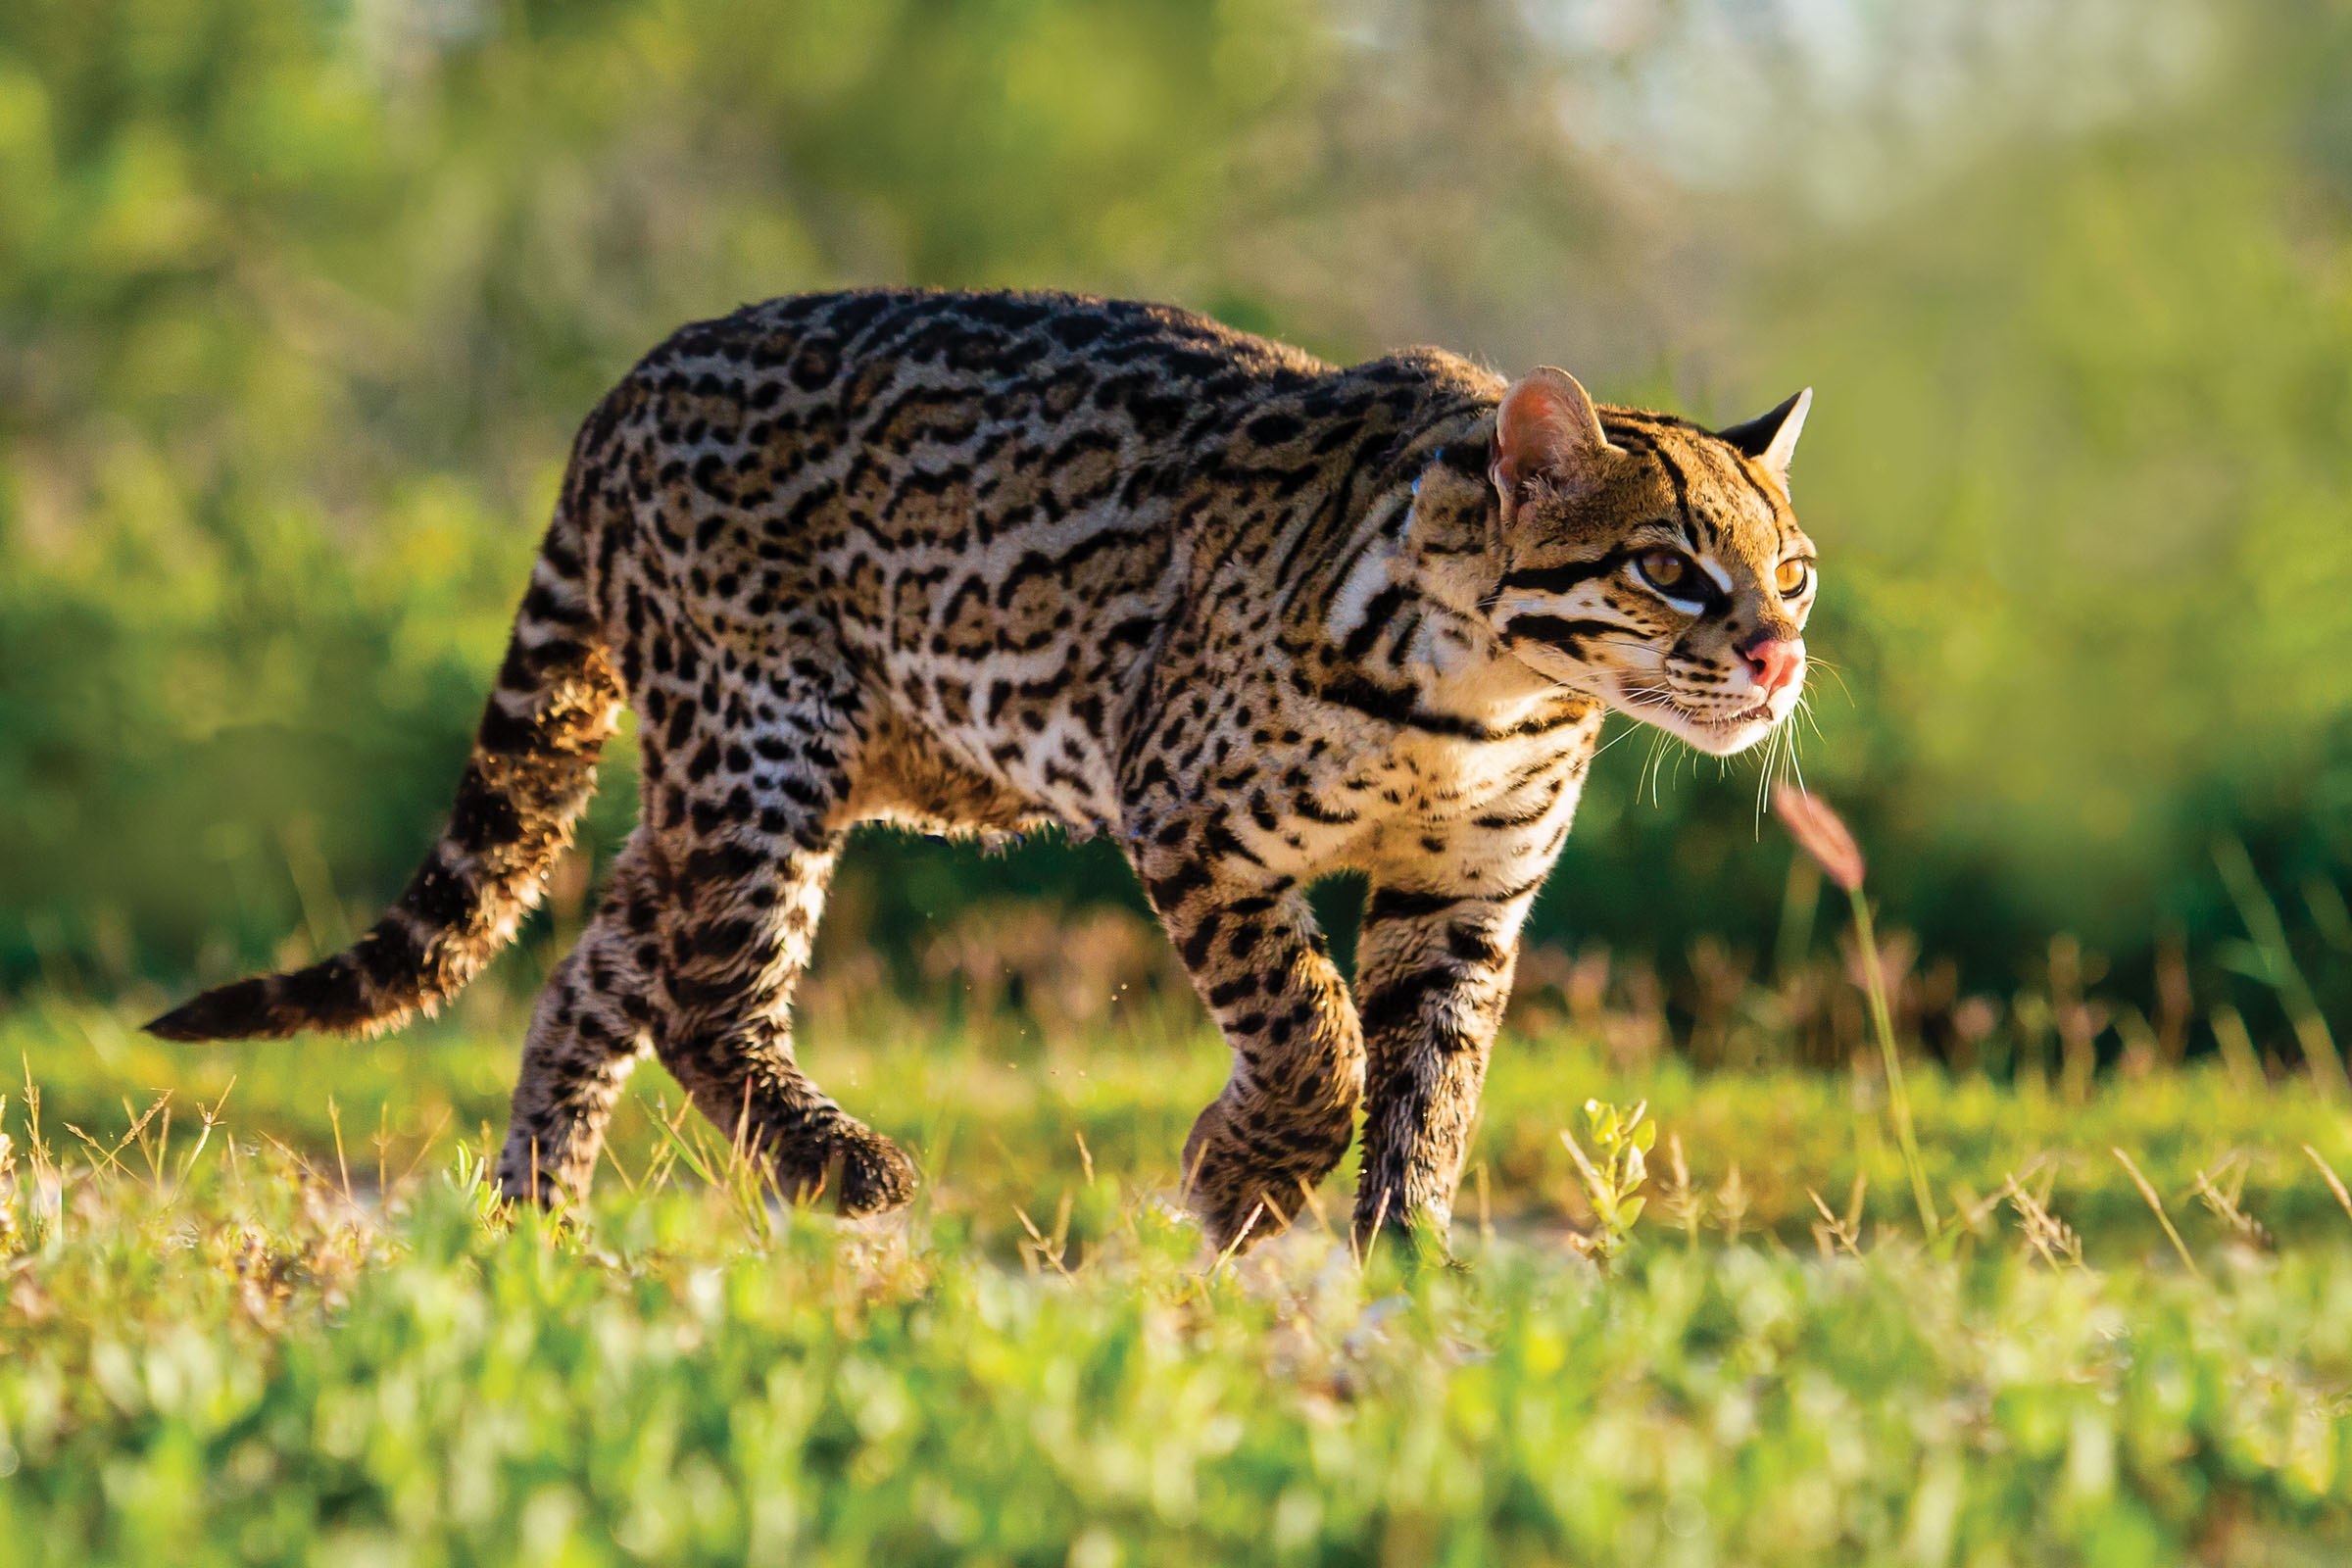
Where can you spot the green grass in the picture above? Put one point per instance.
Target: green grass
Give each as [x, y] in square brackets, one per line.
[233, 1345]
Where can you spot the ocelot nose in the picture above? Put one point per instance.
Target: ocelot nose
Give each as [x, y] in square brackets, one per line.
[1775, 661]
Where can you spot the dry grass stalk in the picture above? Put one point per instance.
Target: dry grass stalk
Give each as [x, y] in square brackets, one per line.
[1049, 1250]
[1823, 834]
[2162, 1219]
[2335, 1183]
[1681, 1201]
[1846, 1231]
[2049, 1235]
[2221, 1194]
[1731, 1203]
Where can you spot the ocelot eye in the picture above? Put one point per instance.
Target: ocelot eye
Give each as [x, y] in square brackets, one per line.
[1795, 573]
[1669, 572]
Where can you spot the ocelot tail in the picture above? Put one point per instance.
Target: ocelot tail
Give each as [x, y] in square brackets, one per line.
[986, 562]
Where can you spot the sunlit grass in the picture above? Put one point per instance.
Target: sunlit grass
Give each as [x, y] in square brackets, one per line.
[239, 1343]
[999, 1115]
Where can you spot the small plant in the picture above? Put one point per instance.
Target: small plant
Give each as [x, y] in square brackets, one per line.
[1823, 834]
[1623, 1138]
[2268, 958]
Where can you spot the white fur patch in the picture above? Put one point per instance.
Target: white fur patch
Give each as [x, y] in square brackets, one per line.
[1349, 607]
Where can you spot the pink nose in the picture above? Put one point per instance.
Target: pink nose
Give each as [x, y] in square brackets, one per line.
[1775, 661]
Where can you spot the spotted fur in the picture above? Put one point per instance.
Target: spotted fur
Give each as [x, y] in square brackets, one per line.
[972, 562]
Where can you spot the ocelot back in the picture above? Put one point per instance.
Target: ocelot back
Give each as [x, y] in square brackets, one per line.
[982, 561]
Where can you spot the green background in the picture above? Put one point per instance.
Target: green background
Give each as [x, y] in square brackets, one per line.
[300, 303]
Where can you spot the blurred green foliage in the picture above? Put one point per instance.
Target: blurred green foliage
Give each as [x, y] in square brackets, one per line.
[299, 302]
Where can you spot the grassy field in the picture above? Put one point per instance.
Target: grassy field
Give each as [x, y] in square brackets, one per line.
[301, 302]
[251, 1323]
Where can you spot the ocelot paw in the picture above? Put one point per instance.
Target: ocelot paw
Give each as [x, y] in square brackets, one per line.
[1235, 1198]
[1414, 1233]
[857, 1169]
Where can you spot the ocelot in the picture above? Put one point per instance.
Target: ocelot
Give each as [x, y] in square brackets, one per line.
[972, 562]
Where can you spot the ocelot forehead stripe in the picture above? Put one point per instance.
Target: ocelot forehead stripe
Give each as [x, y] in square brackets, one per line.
[1776, 504]
[1644, 418]
[1674, 476]
[1653, 441]
[1709, 504]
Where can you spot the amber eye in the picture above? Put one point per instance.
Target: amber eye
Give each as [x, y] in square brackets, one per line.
[1795, 573]
[1665, 569]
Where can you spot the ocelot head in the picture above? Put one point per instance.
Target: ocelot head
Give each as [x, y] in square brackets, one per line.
[1653, 563]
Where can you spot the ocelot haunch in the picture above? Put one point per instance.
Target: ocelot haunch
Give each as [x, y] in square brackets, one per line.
[973, 563]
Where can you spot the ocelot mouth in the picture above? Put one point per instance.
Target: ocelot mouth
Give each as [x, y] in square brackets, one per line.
[1761, 712]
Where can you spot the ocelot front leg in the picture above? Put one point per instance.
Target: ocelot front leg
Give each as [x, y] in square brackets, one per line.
[1288, 1112]
[1433, 963]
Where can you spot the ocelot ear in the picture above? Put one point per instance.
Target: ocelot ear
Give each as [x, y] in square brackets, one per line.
[1547, 428]
[1771, 438]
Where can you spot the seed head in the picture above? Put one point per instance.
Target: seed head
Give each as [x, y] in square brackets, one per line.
[1820, 833]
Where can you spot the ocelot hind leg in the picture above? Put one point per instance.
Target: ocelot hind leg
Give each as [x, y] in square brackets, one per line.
[592, 1024]
[745, 846]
